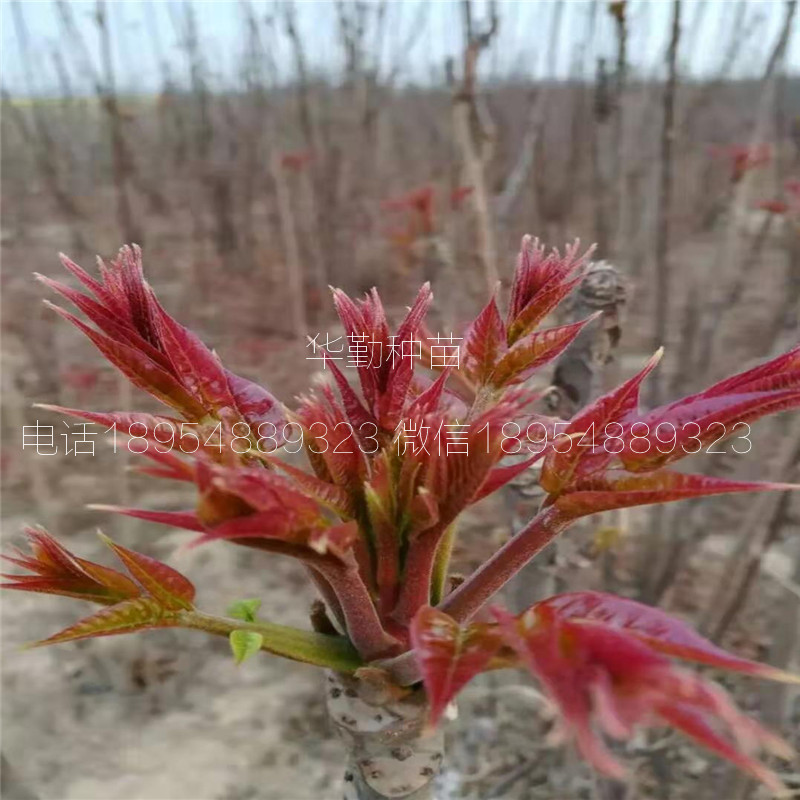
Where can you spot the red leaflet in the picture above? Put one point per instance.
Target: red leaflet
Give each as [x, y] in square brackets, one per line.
[251, 503]
[164, 592]
[197, 368]
[161, 582]
[128, 616]
[692, 426]
[448, 656]
[280, 533]
[601, 675]
[384, 362]
[430, 398]
[456, 459]
[139, 369]
[57, 571]
[485, 343]
[618, 490]
[336, 446]
[500, 476]
[536, 350]
[187, 520]
[725, 409]
[156, 353]
[159, 433]
[657, 629]
[325, 493]
[541, 282]
[257, 407]
[564, 459]
[578, 477]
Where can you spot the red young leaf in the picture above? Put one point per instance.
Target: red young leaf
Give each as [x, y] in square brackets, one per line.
[659, 630]
[696, 726]
[107, 320]
[500, 476]
[536, 350]
[356, 413]
[485, 343]
[57, 571]
[562, 461]
[187, 520]
[620, 490]
[541, 281]
[140, 370]
[335, 446]
[156, 353]
[430, 398]
[128, 616]
[384, 364]
[171, 589]
[197, 368]
[158, 431]
[328, 494]
[691, 426]
[605, 677]
[257, 406]
[448, 656]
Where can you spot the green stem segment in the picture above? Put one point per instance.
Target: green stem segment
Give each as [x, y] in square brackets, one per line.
[442, 564]
[322, 650]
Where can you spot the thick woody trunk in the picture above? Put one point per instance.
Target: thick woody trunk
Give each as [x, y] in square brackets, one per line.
[389, 752]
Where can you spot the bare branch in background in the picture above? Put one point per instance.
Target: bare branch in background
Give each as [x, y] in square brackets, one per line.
[661, 273]
[661, 243]
[46, 151]
[291, 247]
[108, 97]
[731, 266]
[759, 529]
[474, 134]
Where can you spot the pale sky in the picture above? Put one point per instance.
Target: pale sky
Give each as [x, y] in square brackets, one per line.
[521, 45]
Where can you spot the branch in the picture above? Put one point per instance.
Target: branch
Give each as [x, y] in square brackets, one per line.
[486, 581]
[364, 628]
[506, 562]
[322, 650]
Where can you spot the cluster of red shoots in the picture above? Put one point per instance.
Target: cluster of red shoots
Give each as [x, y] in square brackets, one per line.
[374, 524]
[742, 158]
[417, 212]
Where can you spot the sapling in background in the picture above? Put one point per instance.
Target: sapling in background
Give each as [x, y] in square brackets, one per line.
[373, 519]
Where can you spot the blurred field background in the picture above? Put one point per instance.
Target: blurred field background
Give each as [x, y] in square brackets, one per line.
[262, 151]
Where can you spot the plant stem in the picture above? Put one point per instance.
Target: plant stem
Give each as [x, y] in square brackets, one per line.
[390, 753]
[323, 650]
[364, 627]
[418, 575]
[491, 576]
[487, 580]
[441, 564]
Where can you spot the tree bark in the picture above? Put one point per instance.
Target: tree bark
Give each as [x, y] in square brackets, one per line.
[390, 753]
